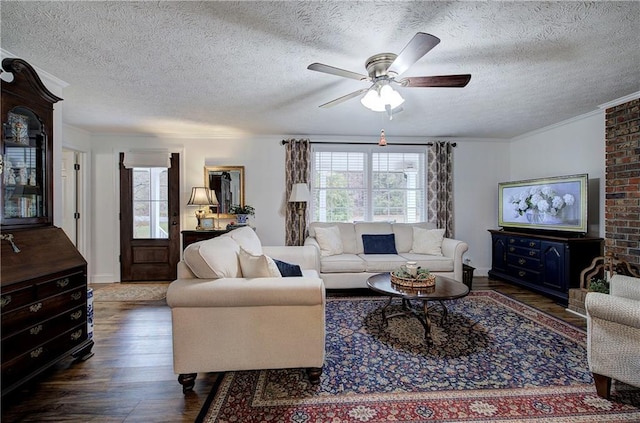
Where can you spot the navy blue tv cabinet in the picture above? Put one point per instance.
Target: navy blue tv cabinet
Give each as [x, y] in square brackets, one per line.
[547, 264]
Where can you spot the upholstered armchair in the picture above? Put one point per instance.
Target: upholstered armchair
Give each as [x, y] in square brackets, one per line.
[613, 334]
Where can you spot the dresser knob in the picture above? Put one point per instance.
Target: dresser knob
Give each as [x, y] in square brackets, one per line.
[522, 273]
[522, 261]
[76, 315]
[35, 308]
[35, 330]
[6, 299]
[62, 282]
[76, 335]
[36, 353]
[76, 296]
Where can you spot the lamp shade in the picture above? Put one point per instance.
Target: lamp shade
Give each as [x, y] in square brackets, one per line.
[299, 193]
[201, 196]
[378, 97]
[214, 198]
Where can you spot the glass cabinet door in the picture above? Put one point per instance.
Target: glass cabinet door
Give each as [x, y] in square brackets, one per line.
[24, 168]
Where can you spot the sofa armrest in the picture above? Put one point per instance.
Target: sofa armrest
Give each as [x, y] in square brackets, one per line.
[454, 249]
[307, 257]
[245, 292]
[625, 286]
[184, 272]
[623, 311]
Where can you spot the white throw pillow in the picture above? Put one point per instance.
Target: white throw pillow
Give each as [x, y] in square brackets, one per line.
[257, 266]
[427, 241]
[329, 240]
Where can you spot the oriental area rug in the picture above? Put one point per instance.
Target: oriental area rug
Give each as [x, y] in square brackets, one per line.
[494, 359]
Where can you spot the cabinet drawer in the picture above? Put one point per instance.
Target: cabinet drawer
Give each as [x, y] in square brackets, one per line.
[13, 299]
[527, 262]
[524, 251]
[34, 358]
[58, 285]
[40, 333]
[42, 310]
[524, 274]
[525, 242]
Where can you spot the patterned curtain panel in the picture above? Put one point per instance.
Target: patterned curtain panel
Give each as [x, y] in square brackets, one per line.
[440, 192]
[297, 170]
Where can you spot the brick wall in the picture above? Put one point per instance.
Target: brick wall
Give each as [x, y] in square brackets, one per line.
[622, 179]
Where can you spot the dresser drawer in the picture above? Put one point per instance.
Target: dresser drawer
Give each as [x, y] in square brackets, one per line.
[17, 343]
[523, 251]
[34, 358]
[524, 242]
[58, 285]
[11, 299]
[527, 262]
[42, 310]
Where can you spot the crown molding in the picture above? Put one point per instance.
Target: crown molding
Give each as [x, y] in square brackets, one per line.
[621, 100]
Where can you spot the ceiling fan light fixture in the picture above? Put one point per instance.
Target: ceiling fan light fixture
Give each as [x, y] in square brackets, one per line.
[378, 97]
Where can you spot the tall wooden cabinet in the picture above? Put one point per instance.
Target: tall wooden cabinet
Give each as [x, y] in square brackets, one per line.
[548, 264]
[43, 291]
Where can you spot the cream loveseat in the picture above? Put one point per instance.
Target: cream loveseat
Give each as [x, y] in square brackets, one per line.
[232, 310]
[344, 263]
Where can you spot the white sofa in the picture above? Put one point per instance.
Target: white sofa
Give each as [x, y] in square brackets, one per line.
[224, 319]
[352, 267]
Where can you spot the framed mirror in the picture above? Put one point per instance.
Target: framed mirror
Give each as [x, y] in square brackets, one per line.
[228, 184]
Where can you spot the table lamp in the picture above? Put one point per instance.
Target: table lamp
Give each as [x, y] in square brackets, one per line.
[200, 196]
[300, 195]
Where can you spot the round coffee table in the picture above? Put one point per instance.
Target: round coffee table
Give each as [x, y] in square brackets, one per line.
[444, 289]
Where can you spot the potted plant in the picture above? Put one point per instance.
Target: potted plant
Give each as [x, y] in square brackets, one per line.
[242, 213]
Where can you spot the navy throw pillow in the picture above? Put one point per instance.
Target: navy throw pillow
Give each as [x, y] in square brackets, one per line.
[379, 244]
[287, 269]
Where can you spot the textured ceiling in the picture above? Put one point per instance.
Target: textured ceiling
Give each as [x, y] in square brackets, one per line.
[228, 68]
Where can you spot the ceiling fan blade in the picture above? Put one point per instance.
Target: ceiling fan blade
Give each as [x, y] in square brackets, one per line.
[453, 81]
[344, 98]
[319, 67]
[419, 45]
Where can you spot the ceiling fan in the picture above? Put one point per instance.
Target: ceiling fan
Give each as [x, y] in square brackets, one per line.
[384, 70]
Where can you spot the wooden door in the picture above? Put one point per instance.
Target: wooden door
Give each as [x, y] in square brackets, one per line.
[149, 234]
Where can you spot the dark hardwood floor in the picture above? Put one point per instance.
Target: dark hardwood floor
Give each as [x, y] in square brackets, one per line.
[130, 377]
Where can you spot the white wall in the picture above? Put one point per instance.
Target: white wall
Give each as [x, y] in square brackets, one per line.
[575, 146]
[571, 147]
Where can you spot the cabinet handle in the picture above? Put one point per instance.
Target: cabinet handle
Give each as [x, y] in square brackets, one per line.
[522, 273]
[76, 335]
[36, 353]
[511, 249]
[35, 330]
[511, 241]
[62, 282]
[76, 315]
[5, 300]
[35, 308]
[522, 261]
[532, 253]
[76, 296]
[532, 244]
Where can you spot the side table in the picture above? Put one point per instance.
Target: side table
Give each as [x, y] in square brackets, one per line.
[189, 237]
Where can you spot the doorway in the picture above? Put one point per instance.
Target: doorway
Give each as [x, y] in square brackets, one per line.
[74, 219]
[149, 221]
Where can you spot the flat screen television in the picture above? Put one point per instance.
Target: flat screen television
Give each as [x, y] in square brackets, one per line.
[556, 204]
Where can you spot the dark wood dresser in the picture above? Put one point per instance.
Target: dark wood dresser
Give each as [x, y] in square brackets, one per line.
[548, 264]
[44, 304]
[189, 237]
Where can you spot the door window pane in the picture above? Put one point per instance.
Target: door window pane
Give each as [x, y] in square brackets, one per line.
[150, 203]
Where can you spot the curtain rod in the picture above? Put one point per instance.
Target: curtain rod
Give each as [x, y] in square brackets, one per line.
[284, 142]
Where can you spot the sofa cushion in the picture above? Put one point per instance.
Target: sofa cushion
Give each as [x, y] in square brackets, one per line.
[329, 240]
[427, 241]
[377, 263]
[257, 266]
[287, 269]
[430, 262]
[404, 234]
[342, 263]
[246, 238]
[214, 258]
[379, 244]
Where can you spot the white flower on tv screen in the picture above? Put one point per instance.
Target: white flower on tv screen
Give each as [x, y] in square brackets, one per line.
[539, 198]
[569, 199]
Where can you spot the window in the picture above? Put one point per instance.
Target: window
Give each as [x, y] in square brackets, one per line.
[353, 183]
[150, 203]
